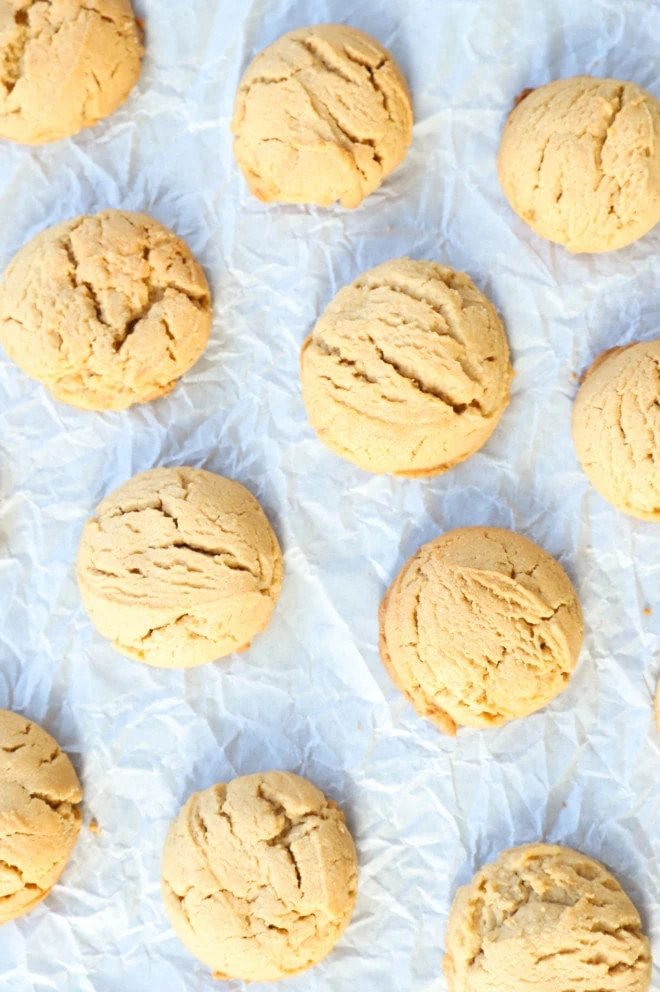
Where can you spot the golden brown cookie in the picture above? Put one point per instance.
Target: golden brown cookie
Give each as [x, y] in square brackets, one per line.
[64, 65]
[259, 876]
[322, 114]
[579, 161]
[105, 311]
[179, 567]
[39, 816]
[545, 918]
[616, 427]
[407, 370]
[481, 626]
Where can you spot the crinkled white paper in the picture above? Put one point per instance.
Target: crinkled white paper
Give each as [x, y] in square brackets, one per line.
[311, 695]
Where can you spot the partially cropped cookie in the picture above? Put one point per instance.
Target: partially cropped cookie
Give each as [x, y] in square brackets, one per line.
[545, 918]
[259, 876]
[39, 816]
[105, 310]
[407, 371]
[64, 65]
[322, 114]
[616, 428]
[481, 626]
[579, 161]
[179, 567]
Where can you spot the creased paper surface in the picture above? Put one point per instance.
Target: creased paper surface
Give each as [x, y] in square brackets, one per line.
[311, 695]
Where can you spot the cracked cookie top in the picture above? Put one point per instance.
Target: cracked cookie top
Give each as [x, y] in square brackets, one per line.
[259, 876]
[64, 65]
[546, 918]
[322, 114]
[105, 310]
[481, 626]
[616, 427]
[39, 817]
[179, 567]
[407, 371]
[579, 161]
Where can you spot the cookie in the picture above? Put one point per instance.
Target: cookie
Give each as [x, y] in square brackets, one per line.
[39, 816]
[179, 567]
[407, 371]
[545, 918]
[259, 876]
[105, 310]
[579, 161]
[64, 65]
[481, 626]
[322, 114]
[616, 428]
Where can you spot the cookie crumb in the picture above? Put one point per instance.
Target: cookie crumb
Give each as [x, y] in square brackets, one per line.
[647, 611]
[94, 827]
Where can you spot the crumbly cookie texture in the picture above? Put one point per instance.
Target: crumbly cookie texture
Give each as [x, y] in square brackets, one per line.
[322, 114]
[259, 876]
[105, 310]
[579, 161]
[179, 567]
[481, 626]
[407, 371]
[616, 428]
[39, 817]
[64, 65]
[545, 918]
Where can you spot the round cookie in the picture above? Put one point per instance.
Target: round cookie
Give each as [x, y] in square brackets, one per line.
[259, 876]
[545, 918]
[179, 567]
[39, 818]
[407, 371]
[105, 310]
[481, 626]
[616, 428]
[322, 114]
[64, 65]
[579, 161]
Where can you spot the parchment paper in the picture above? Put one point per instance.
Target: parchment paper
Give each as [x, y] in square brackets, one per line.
[311, 694]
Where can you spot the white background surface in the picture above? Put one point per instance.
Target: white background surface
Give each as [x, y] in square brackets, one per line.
[311, 695]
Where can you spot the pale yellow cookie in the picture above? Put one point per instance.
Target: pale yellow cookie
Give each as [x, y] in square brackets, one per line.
[64, 65]
[322, 114]
[481, 626]
[179, 567]
[39, 817]
[259, 876]
[616, 428]
[579, 161]
[407, 371]
[545, 918]
[105, 310]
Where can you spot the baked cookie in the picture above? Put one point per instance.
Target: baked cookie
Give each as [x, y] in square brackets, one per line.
[579, 161]
[407, 371]
[481, 626]
[322, 114]
[64, 64]
[39, 817]
[179, 567]
[105, 311]
[545, 918]
[259, 876]
[616, 427]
